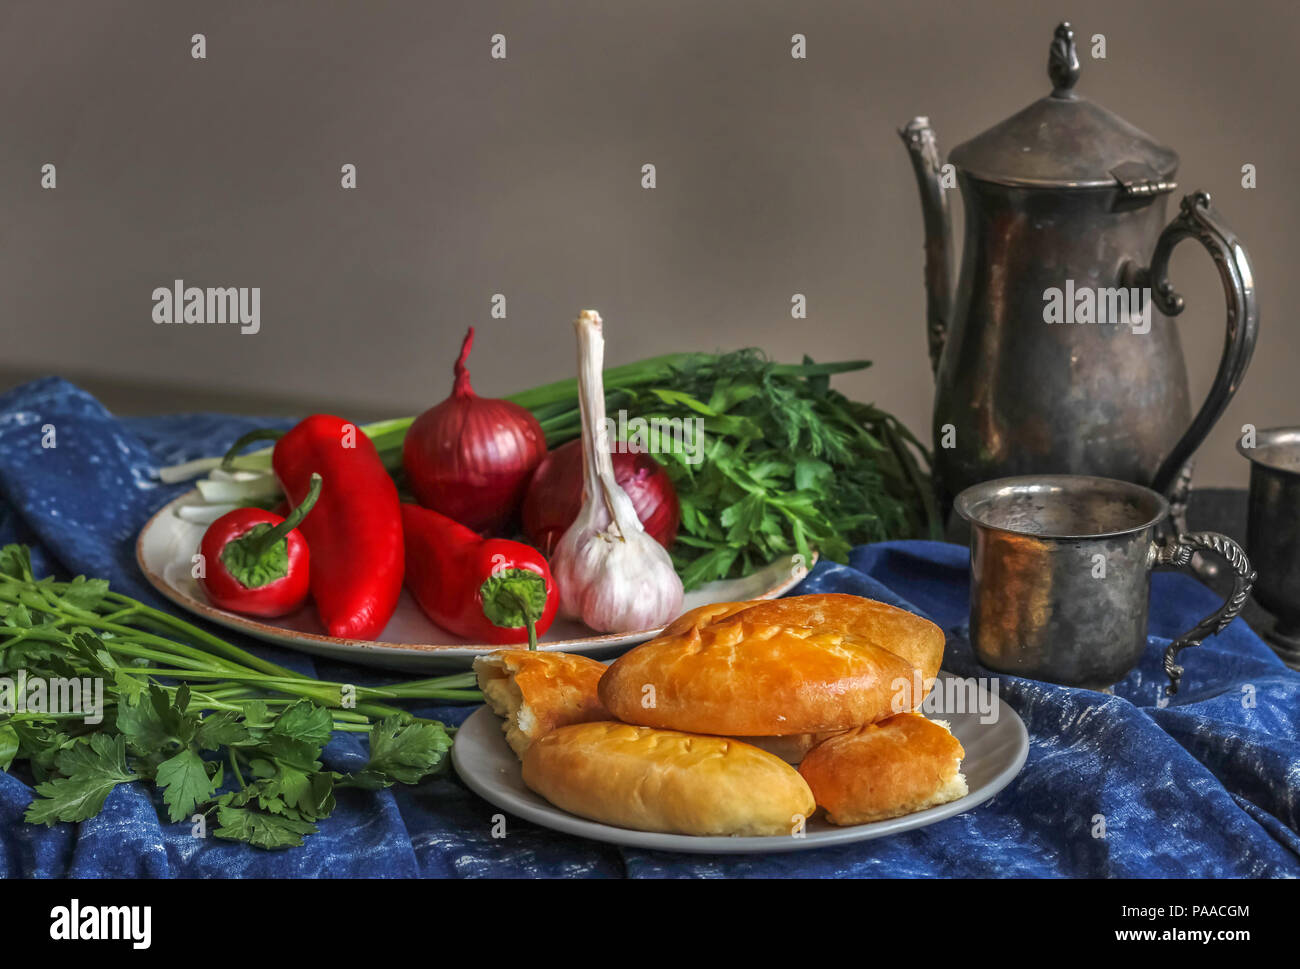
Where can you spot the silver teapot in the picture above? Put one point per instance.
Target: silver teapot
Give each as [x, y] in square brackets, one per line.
[1048, 358]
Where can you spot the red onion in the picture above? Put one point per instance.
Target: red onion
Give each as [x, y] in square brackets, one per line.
[470, 457]
[554, 497]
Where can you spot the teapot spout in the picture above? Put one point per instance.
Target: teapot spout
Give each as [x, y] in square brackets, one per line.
[924, 151]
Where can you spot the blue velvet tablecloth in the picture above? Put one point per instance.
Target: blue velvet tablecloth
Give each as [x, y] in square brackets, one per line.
[1208, 785]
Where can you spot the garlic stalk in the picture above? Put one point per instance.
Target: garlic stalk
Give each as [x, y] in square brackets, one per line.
[611, 574]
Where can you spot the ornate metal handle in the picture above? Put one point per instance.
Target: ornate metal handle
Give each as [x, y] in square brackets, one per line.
[1198, 220]
[1178, 552]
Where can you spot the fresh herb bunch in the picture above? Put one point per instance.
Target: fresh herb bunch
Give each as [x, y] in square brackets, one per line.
[180, 706]
[789, 464]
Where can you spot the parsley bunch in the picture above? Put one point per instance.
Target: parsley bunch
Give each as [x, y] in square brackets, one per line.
[789, 464]
[220, 732]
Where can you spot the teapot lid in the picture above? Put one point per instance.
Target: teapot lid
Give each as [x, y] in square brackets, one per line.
[1066, 141]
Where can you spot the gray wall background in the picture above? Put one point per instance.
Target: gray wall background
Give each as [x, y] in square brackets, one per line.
[478, 176]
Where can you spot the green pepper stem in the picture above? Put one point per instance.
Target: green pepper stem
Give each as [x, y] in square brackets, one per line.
[259, 545]
[503, 598]
[257, 434]
[529, 620]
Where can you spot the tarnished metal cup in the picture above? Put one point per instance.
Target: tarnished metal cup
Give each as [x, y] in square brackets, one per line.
[1273, 532]
[1061, 576]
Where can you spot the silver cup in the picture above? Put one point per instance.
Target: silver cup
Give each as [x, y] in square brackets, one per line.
[1061, 577]
[1273, 532]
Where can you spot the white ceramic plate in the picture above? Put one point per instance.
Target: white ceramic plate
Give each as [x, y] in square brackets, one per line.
[995, 753]
[410, 641]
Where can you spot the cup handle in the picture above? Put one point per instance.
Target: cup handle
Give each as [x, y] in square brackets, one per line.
[1178, 552]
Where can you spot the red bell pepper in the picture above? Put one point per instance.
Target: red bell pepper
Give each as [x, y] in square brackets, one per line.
[355, 530]
[256, 562]
[487, 590]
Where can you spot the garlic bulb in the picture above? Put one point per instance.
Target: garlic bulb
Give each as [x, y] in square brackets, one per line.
[612, 575]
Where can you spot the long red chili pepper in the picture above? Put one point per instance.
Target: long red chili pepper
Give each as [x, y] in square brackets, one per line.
[486, 590]
[257, 562]
[355, 530]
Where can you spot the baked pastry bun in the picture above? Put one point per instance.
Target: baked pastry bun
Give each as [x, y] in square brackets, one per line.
[903, 633]
[746, 677]
[903, 764]
[663, 780]
[536, 691]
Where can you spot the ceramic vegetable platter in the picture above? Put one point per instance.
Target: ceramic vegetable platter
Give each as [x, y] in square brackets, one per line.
[410, 642]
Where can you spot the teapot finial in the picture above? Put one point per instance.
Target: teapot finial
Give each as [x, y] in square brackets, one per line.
[1063, 62]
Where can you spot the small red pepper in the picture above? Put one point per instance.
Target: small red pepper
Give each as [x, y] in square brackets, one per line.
[355, 530]
[486, 590]
[256, 562]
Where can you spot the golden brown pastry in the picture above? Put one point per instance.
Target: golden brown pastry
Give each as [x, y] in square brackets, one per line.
[537, 691]
[917, 640]
[895, 767]
[744, 677]
[903, 633]
[663, 780]
[714, 612]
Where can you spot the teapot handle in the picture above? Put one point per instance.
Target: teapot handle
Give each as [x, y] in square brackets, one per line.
[1199, 220]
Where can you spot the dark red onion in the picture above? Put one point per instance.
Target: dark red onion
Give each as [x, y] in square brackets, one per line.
[470, 457]
[554, 497]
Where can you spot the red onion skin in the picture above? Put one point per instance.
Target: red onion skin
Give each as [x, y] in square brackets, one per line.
[554, 497]
[471, 458]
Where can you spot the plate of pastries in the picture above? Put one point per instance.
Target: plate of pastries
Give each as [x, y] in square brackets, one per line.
[761, 726]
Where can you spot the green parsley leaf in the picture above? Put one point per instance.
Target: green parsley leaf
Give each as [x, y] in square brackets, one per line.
[142, 726]
[18, 616]
[16, 563]
[8, 745]
[83, 593]
[40, 744]
[90, 771]
[185, 783]
[305, 721]
[221, 729]
[403, 752]
[261, 830]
